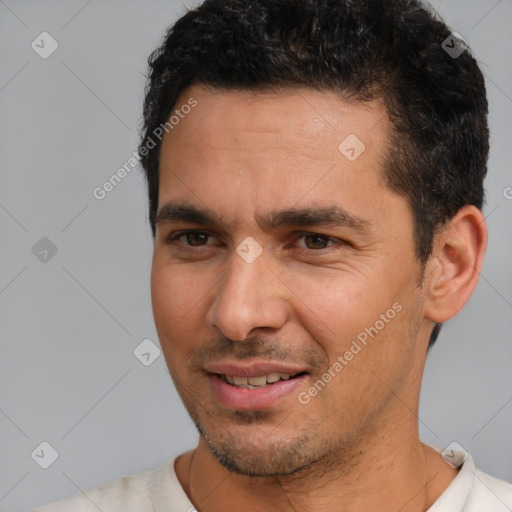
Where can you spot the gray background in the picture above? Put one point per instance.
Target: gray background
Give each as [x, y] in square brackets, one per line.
[69, 326]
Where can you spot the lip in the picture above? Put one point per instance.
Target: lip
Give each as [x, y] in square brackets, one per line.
[252, 369]
[246, 399]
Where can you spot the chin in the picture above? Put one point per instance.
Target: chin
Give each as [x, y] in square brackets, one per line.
[258, 455]
[260, 462]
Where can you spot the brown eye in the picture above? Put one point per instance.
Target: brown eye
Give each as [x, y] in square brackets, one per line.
[315, 241]
[196, 238]
[190, 238]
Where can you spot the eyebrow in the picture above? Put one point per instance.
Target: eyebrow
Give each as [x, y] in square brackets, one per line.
[334, 216]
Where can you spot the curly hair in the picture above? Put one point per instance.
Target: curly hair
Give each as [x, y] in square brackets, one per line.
[361, 49]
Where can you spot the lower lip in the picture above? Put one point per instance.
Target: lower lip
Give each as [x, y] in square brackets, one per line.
[250, 399]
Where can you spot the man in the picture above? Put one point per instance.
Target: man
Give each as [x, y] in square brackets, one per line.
[315, 176]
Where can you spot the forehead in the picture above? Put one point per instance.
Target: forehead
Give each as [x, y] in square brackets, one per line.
[241, 148]
[306, 115]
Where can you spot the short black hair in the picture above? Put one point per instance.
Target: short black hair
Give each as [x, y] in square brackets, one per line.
[395, 50]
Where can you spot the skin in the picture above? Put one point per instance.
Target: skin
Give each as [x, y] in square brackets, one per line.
[304, 300]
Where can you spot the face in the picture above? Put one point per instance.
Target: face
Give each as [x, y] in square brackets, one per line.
[284, 280]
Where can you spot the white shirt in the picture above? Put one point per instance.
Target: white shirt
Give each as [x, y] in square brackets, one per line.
[158, 490]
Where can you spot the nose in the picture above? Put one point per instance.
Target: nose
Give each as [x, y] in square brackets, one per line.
[249, 297]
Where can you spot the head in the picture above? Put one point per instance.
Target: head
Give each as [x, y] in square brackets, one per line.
[266, 98]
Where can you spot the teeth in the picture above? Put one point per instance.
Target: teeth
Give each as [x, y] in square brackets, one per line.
[257, 381]
[254, 382]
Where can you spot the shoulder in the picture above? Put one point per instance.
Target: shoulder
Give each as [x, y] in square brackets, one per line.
[129, 493]
[472, 490]
[126, 493]
[489, 493]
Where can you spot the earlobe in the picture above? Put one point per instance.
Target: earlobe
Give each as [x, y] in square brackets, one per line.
[455, 264]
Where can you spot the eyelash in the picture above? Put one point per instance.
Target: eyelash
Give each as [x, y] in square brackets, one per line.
[175, 236]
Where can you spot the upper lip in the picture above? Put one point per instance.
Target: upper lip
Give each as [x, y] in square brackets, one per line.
[252, 369]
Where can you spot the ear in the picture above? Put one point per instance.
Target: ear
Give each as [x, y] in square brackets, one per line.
[453, 269]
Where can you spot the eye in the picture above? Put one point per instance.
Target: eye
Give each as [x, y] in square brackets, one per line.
[316, 241]
[190, 238]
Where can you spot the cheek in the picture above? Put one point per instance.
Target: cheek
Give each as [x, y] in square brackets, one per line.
[337, 307]
[171, 299]
[178, 297]
[168, 297]
[173, 288]
[164, 286]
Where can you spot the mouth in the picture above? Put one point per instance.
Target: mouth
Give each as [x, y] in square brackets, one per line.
[259, 381]
[255, 385]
